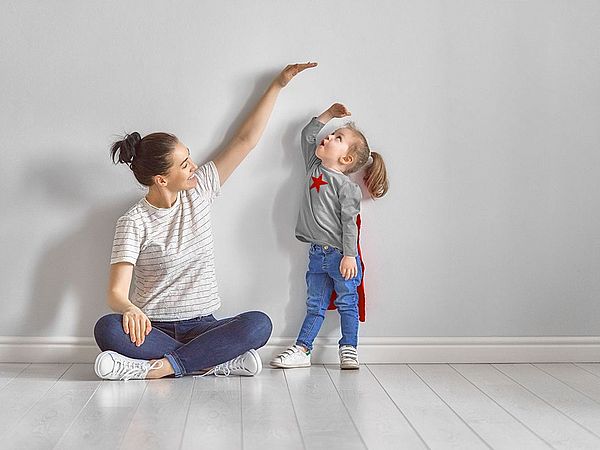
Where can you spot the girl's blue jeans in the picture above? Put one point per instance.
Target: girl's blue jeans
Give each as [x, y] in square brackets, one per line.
[190, 345]
[322, 277]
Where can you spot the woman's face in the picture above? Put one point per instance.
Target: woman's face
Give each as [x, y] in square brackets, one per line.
[181, 174]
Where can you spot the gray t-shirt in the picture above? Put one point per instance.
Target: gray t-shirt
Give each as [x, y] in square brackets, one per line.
[330, 201]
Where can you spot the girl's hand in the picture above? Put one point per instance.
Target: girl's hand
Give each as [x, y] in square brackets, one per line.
[348, 267]
[136, 324]
[290, 72]
[338, 111]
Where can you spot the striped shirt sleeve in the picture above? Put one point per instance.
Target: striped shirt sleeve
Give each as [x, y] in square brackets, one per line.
[209, 185]
[127, 242]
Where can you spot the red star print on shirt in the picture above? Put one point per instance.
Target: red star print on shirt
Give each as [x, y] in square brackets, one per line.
[317, 183]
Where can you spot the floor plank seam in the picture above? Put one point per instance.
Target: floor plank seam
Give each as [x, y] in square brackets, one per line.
[133, 413]
[187, 414]
[568, 385]
[547, 403]
[34, 404]
[77, 415]
[398, 407]
[450, 407]
[588, 371]
[502, 407]
[345, 407]
[294, 409]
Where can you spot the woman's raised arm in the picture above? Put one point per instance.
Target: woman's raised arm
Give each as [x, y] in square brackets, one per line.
[249, 133]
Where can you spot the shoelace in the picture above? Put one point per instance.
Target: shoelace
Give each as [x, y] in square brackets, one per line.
[348, 353]
[127, 370]
[224, 369]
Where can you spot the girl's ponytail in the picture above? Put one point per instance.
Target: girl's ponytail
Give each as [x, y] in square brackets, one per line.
[375, 177]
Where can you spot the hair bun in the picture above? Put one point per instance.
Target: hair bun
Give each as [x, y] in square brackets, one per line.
[132, 140]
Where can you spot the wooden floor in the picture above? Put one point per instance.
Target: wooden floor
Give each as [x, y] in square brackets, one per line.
[395, 406]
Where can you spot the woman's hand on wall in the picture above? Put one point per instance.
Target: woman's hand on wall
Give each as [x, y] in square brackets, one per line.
[290, 71]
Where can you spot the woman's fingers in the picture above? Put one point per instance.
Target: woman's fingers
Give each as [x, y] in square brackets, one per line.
[125, 324]
[132, 330]
[141, 331]
[148, 326]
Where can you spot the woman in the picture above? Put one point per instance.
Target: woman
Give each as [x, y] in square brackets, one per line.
[165, 240]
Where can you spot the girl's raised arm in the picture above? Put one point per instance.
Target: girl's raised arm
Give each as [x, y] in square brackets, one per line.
[249, 133]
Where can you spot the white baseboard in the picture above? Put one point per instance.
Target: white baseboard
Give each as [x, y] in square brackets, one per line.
[373, 350]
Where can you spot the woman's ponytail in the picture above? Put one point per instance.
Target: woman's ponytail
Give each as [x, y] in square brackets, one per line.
[375, 177]
[146, 157]
[124, 151]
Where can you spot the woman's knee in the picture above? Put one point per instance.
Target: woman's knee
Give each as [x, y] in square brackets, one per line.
[260, 326]
[105, 328]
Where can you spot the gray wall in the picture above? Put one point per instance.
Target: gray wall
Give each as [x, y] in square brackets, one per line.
[487, 113]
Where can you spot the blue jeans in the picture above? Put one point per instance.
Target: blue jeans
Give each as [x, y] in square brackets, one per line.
[322, 277]
[190, 345]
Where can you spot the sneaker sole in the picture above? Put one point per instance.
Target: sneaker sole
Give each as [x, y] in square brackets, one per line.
[97, 363]
[277, 365]
[258, 361]
[350, 367]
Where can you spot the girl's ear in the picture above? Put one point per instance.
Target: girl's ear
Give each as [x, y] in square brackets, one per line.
[348, 159]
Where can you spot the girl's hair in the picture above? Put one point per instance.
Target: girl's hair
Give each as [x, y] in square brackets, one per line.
[146, 157]
[375, 177]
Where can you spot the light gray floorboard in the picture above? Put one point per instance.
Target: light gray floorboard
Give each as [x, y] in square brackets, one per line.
[593, 368]
[214, 419]
[24, 391]
[9, 371]
[378, 420]
[45, 423]
[323, 419]
[436, 422]
[544, 420]
[577, 406]
[159, 420]
[267, 413]
[105, 418]
[576, 377]
[498, 428]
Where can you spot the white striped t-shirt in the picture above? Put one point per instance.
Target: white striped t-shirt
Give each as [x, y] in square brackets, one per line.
[172, 251]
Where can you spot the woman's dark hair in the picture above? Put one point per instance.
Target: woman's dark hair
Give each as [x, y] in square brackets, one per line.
[146, 157]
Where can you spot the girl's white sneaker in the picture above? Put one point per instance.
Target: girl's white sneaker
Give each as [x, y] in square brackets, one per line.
[348, 357]
[292, 357]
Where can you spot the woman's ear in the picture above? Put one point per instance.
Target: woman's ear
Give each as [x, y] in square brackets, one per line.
[159, 180]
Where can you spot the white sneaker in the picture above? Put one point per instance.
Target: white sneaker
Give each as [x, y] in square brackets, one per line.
[114, 366]
[246, 365]
[348, 357]
[294, 356]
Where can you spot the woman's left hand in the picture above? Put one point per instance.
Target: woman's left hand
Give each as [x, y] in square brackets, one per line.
[290, 72]
[348, 267]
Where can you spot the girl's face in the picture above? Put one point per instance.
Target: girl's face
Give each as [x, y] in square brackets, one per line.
[181, 174]
[334, 147]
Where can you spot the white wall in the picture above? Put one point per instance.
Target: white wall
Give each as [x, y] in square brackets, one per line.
[486, 113]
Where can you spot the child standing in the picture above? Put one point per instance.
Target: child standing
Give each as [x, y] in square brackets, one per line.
[327, 220]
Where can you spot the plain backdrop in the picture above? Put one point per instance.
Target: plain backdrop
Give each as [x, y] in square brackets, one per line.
[487, 114]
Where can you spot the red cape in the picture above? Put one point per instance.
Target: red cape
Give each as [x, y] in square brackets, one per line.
[361, 287]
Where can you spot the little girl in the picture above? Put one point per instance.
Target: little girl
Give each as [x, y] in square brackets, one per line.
[327, 220]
